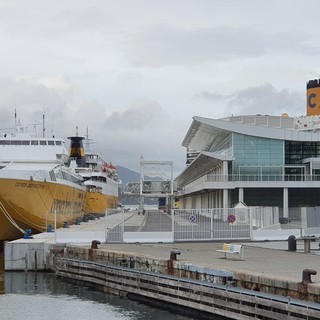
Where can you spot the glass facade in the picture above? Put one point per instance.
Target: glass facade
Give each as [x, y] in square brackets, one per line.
[254, 155]
[296, 151]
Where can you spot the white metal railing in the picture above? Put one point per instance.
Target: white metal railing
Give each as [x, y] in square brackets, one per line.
[253, 178]
[209, 224]
[262, 177]
[182, 224]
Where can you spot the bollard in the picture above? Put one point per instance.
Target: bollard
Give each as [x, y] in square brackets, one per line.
[50, 228]
[94, 244]
[131, 262]
[306, 275]
[292, 243]
[27, 234]
[173, 255]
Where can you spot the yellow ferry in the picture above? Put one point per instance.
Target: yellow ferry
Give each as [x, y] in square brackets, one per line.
[100, 177]
[37, 188]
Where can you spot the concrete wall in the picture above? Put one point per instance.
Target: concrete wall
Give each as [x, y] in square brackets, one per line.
[149, 264]
[27, 256]
[257, 282]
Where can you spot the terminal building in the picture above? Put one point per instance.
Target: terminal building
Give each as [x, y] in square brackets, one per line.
[258, 160]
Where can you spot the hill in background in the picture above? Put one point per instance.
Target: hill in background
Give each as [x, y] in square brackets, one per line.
[126, 175]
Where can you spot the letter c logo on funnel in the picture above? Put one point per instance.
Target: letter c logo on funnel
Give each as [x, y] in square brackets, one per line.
[310, 104]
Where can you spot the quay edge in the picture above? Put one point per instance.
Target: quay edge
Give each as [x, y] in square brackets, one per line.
[40, 256]
[167, 283]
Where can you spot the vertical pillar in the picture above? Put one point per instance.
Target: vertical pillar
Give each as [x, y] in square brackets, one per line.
[240, 199]
[225, 191]
[225, 170]
[141, 205]
[172, 223]
[225, 199]
[224, 206]
[285, 203]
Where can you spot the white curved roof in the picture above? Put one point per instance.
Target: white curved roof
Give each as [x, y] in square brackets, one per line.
[204, 162]
[204, 134]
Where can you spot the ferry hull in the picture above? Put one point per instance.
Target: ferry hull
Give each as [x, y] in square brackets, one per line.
[36, 204]
[98, 203]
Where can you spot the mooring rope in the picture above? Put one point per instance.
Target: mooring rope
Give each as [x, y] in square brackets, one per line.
[7, 215]
[26, 220]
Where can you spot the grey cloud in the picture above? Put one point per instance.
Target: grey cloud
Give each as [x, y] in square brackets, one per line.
[143, 113]
[292, 43]
[28, 98]
[210, 96]
[143, 128]
[43, 19]
[161, 45]
[266, 99]
[262, 99]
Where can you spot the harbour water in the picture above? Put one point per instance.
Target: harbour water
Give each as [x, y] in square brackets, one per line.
[42, 296]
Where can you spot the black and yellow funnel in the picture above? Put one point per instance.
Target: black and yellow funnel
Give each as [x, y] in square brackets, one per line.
[76, 151]
[313, 97]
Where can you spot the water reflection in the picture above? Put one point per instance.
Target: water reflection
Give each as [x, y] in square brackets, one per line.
[43, 296]
[52, 298]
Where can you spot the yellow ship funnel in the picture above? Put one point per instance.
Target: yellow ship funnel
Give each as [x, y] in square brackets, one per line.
[76, 151]
[313, 97]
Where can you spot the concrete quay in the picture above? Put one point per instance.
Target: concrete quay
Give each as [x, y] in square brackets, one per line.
[270, 259]
[198, 280]
[265, 258]
[267, 266]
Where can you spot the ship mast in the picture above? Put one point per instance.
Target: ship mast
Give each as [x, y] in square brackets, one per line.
[43, 126]
[87, 140]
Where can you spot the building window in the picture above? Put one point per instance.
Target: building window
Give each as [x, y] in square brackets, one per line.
[254, 154]
[296, 151]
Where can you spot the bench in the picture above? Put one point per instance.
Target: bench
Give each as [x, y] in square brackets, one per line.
[307, 242]
[231, 248]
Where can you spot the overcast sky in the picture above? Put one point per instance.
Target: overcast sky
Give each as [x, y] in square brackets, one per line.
[136, 71]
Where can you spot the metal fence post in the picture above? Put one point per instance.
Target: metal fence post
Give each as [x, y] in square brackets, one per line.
[172, 221]
[211, 224]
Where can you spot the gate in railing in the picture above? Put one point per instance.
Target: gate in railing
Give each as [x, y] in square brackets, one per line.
[212, 224]
[182, 224]
[114, 226]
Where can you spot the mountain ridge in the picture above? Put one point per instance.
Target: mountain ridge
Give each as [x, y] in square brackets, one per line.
[127, 175]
